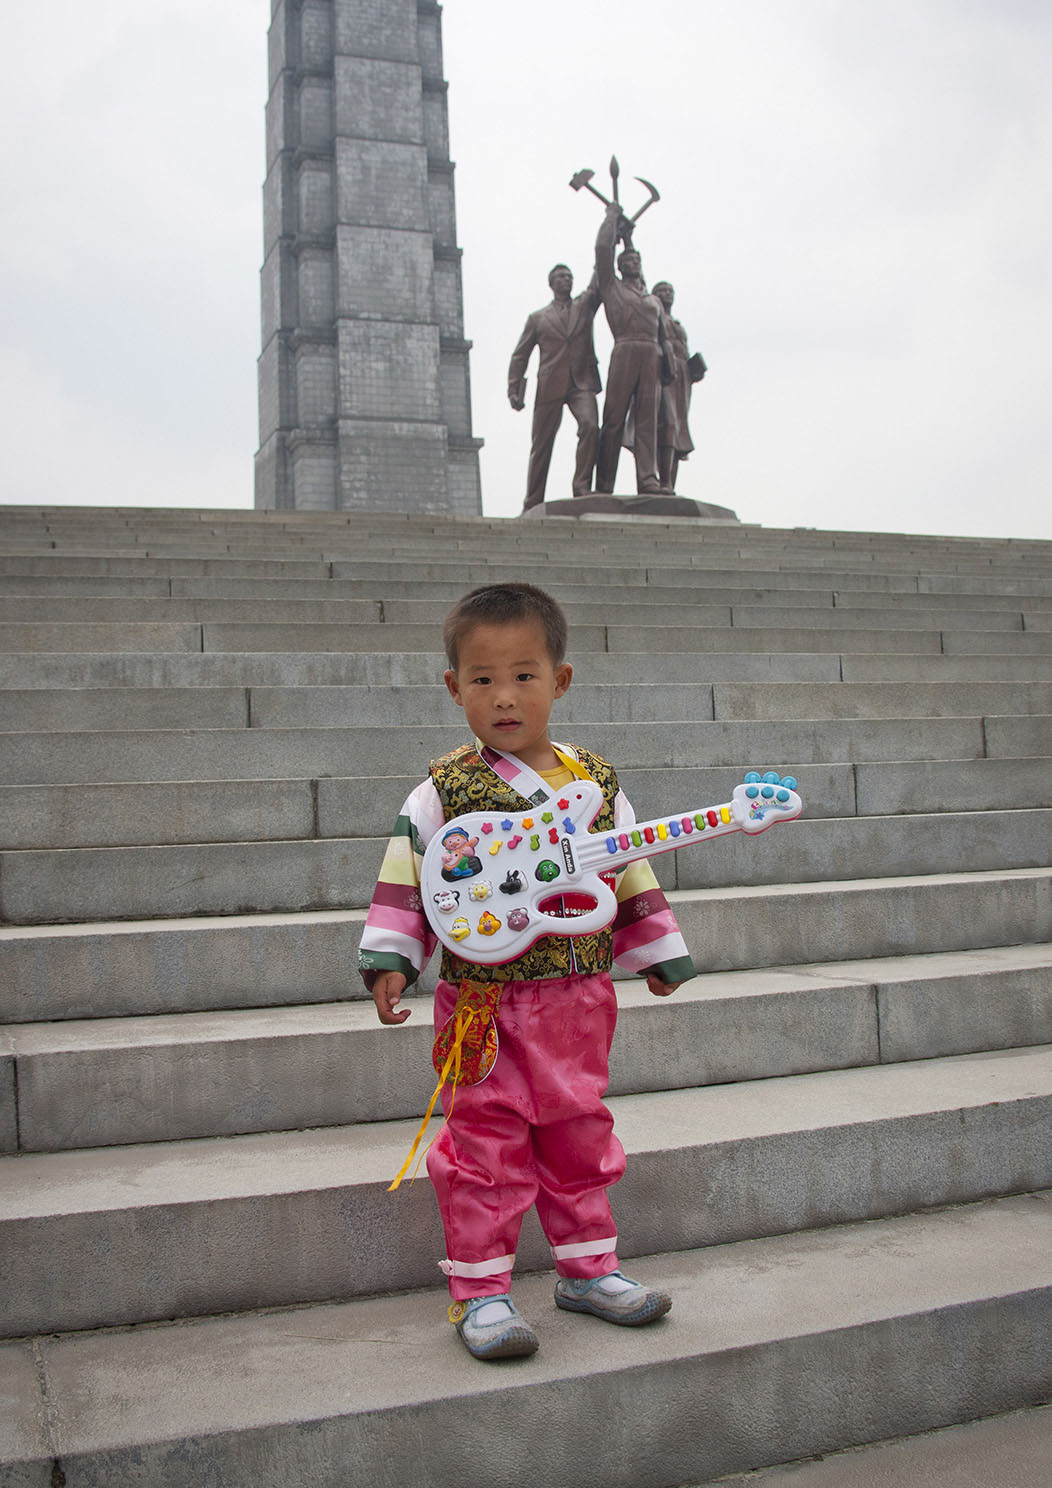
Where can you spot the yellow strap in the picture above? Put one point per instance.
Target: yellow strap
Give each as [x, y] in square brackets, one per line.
[574, 766]
[452, 1061]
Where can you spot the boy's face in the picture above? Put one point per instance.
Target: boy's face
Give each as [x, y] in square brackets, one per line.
[506, 682]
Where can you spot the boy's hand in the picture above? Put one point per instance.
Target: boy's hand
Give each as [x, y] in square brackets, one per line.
[658, 987]
[387, 993]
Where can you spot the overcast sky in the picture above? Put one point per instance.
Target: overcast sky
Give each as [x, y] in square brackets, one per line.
[856, 213]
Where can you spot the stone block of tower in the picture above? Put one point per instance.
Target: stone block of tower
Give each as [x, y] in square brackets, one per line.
[364, 389]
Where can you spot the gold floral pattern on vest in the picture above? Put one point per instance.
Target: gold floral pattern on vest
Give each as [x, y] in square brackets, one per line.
[466, 783]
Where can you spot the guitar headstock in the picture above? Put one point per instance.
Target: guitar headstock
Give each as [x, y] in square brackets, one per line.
[762, 800]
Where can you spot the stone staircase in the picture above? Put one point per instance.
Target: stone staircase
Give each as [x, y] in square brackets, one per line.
[840, 1136]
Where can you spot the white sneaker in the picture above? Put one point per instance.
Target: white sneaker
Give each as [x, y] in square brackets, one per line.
[614, 1298]
[492, 1327]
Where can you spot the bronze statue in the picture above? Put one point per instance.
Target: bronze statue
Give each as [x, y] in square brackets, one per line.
[673, 439]
[638, 325]
[567, 375]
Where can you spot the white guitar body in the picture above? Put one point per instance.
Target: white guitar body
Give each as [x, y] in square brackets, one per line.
[494, 882]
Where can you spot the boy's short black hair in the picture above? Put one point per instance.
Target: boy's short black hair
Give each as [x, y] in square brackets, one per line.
[506, 604]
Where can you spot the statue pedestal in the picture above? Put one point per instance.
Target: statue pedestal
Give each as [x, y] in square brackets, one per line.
[627, 507]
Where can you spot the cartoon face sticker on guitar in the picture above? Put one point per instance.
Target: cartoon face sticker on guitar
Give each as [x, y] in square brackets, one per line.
[480, 889]
[518, 919]
[460, 928]
[458, 860]
[446, 900]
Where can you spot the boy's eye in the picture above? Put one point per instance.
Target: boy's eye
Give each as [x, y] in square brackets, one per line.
[524, 677]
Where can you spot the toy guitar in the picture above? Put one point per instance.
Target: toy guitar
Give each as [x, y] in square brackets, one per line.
[494, 883]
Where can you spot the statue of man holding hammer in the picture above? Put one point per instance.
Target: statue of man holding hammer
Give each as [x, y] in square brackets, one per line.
[640, 351]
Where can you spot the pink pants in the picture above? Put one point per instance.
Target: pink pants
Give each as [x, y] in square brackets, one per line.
[534, 1131]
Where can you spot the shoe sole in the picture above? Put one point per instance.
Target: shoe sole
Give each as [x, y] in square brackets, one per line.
[516, 1343]
[656, 1306]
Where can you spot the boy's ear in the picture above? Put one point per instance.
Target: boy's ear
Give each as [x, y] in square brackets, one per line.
[563, 677]
[450, 679]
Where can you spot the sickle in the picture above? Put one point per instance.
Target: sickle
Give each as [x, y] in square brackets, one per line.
[655, 195]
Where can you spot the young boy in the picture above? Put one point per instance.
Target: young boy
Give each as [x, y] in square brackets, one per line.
[535, 1130]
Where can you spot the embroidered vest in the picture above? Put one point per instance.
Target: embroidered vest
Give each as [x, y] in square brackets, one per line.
[466, 783]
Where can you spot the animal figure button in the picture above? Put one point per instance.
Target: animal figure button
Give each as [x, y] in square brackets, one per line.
[547, 871]
[489, 924]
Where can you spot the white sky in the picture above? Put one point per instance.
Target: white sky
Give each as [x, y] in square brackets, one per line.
[856, 213]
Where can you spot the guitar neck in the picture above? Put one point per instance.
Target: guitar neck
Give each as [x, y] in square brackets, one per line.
[606, 851]
[755, 806]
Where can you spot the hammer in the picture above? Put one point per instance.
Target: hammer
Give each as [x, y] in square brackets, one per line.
[584, 178]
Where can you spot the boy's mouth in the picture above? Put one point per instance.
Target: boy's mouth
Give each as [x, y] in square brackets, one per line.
[506, 723]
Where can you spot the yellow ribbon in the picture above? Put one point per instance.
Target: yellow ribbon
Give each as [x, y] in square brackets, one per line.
[464, 1020]
[574, 766]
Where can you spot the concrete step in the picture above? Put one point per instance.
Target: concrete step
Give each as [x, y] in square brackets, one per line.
[321, 707]
[309, 637]
[40, 709]
[42, 758]
[1002, 1451]
[180, 1076]
[878, 699]
[105, 562]
[55, 671]
[940, 669]
[825, 639]
[675, 571]
[112, 1236]
[1008, 1450]
[43, 636]
[642, 605]
[877, 846]
[1031, 643]
[124, 968]
[786, 1340]
[53, 885]
[333, 706]
[141, 814]
[710, 588]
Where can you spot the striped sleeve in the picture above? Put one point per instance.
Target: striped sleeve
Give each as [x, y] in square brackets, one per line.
[646, 935]
[397, 936]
